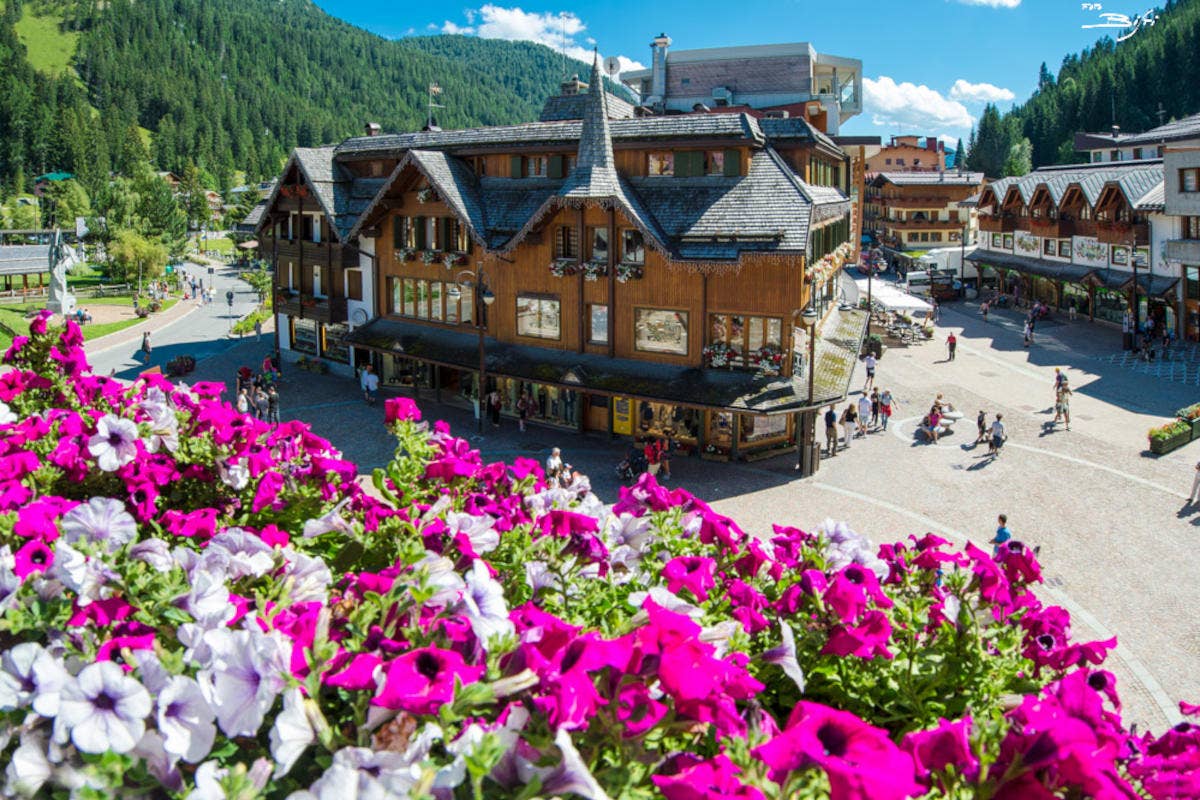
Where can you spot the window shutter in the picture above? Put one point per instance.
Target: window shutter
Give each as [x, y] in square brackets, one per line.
[420, 233]
[514, 166]
[446, 234]
[733, 163]
[556, 166]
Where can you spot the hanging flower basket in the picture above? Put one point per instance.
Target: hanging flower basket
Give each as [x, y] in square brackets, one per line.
[629, 272]
[594, 270]
[768, 359]
[564, 267]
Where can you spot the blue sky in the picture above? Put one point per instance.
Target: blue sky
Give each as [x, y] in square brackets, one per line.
[929, 65]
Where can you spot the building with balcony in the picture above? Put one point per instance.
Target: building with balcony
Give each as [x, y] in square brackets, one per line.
[910, 154]
[1114, 146]
[638, 276]
[781, 79]
[1076, 235]
[1181, 197]
[921, 210]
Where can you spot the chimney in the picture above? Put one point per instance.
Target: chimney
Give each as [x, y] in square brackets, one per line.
[1116, 131]
[658, 70]
[373, 128]
[573, 87]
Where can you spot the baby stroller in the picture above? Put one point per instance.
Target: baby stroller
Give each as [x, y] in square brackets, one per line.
[633, 466]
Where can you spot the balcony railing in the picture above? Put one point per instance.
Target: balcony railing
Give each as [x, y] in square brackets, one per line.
[1042, 226]
[1123, 232]
[321, 309]
[924, 224]
[1000, 224]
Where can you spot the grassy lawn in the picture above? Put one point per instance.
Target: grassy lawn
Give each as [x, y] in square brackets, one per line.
[15, 319]
[222, 245]
[95, 331]
[50, 49]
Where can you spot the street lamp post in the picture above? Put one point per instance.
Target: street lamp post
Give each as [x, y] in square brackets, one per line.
[1133, 260]
[962, 261]
[806, 440]
[482, 296]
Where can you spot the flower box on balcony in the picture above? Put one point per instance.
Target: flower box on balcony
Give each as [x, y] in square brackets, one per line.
[564, 267]
[1170, 437]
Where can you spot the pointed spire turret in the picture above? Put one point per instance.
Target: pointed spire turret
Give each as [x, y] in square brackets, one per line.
[595, 173]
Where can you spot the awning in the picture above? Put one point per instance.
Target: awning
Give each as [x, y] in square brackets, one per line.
[836, 354]
[892, 298]
[1055, 270]
[1151, 285]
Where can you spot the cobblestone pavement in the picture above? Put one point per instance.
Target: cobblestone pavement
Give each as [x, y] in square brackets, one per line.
[1117, 538]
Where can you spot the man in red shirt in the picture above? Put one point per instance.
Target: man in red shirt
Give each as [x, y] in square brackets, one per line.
[951, 344]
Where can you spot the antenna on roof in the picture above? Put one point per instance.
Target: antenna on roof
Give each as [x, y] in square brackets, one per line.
[1162, 112]
[562, 41]
[430, 121]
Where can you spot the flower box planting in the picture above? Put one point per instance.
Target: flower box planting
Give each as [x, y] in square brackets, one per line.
[1173, 435]
[195, 603]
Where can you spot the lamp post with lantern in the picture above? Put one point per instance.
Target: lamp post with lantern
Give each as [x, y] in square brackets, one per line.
[475, 281]
[805, 458]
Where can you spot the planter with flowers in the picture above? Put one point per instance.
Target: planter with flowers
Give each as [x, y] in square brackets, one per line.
[594, 270]
[564, 267]
[406, 254]
[308, 300]
[1191, 415]
[196, 603]
[719, 355]
[629, 272]
[453, 260]
[712, 452]
[768, 359]
[1173, 435]
[431, 256]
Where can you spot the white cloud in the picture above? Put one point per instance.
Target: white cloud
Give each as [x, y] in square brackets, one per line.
[910, 107]
[979, 92]
[992, 3]
[561, 31]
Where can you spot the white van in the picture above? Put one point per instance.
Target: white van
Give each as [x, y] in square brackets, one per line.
[918, 283]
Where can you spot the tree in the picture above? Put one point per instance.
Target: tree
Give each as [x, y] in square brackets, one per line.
[136, 258]
[993, 144]
[159, 214]
[21, 216]
[960, 155]
[193, 198]
[1020, 159]
[68, 201]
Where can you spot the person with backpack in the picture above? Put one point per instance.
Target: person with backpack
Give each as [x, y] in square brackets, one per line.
[849, 422]
[272, 405]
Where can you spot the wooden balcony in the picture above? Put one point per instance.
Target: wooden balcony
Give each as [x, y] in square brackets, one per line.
[923, 224]
[1052, 228]
[325, 309]
[313, 252]
[992, 224]
[1137, 233]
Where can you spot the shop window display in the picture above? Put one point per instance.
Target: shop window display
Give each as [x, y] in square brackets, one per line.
[756, 429]
[670, 421]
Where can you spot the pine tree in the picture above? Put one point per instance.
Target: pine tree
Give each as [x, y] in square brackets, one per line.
[960, 155]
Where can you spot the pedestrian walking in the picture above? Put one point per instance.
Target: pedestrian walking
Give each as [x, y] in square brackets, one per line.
[257, 330]
[493, 404]
[555, 468]
[272, 405]
[849, 422]
[370, 385]
[261, 404]
[1059, 380]
[1003, 534]
[146, 346]
[1027, 333]
[1071, 311]
[869, 362]
[864, 414]
[1195, 485]
[983, 309]
[998, 435]
[981, 427]
[951, 343]
[523, 410]
[1062, 405]
[831, 435]
[242, 403]
[887, 404]
[875, 408]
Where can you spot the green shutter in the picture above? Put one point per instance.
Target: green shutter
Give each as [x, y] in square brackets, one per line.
[448, 240]
[420, 231]
[689, 164]
[515, 164]
[556, 166]
[733, 163]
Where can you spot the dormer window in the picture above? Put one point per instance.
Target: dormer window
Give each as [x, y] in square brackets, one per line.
[661, 164]
[536, 166]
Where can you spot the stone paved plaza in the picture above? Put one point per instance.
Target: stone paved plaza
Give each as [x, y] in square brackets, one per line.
[1117, 538]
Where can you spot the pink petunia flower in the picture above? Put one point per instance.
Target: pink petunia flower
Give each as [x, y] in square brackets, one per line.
[400, 409]
[34, 556]
[947, 745]
[694, 573]
[421, 680]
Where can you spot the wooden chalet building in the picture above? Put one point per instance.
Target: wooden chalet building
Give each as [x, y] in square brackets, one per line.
[642, 275]
[920, 210]
[1076, 234]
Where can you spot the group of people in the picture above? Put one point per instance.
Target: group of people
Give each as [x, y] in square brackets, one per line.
[559, 472]
[1062, 398]
[869, 413]
[258, 395]
[80, 316]
[995, 434]
[933, 424]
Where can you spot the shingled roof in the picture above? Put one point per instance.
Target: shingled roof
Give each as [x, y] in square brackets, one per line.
[24, 259]
[571, 106]
[1136, 180]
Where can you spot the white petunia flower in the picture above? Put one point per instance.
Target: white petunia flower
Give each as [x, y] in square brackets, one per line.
[17, 681]
[84, 575]
[538, 576]
[160, 763]
[164, 427]
[484, 604]
[7, 417]
[439, 575]
[154, 552]
[208, 599]
[29, 768]
[785, 656]
[104, 709]
[572, 775]
[49, 679]
[365, 773]
[185, 720]
[479, 530]
[331, 521]
[309, 576]
[291, 734]
[243, 553]
[665, 598]
[234, 474]
[246, 676]
[101, 520]
[115, 442]
[627, 529]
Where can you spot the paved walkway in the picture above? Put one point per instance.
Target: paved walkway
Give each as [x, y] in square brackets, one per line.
[1118, 542]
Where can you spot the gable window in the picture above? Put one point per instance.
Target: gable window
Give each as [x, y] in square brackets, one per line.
[661, 164]
[1189, 180]
[306, 227]
[715, 162]
[633, 246]
[1191, 227]
[354, 284]
[317, 288]
[566, 242]
[536, 166]
[538, 316]
[598, 242]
